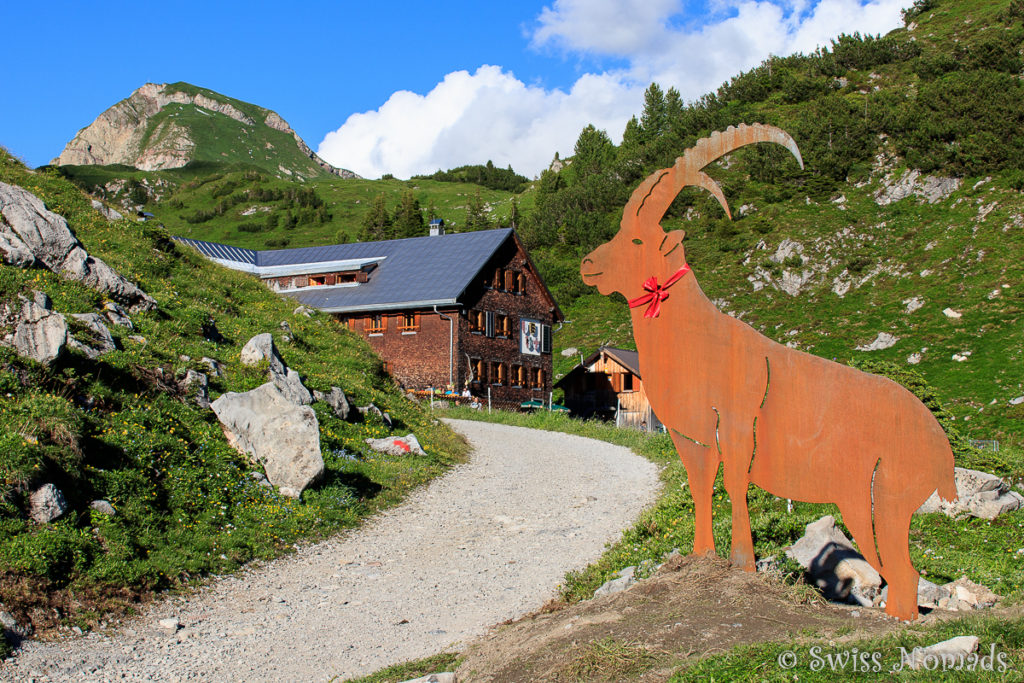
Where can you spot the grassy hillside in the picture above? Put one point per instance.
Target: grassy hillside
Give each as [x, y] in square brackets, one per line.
[941, 96]
[118, 428]
[241, 205]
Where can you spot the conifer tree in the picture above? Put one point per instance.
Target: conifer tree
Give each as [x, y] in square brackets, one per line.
[408, 219]
[377, 223]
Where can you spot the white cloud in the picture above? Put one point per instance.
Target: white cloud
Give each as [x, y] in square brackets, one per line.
[490, 114]
[470, 118]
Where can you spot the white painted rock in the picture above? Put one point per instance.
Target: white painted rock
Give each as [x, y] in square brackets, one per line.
[444, 677]
[397, 445]
[280, 435]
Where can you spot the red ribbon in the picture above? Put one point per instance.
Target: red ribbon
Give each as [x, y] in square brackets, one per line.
[656, 293]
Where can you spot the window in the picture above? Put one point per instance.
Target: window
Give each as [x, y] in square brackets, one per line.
[518, 376]
[489, 323]
[477, 322]
[510, 281]
[627, 381]
[498, 281]
[520, 283]
[502, 326]
[317, 280]
[545, 338]
[536, 378]
[410, 322]
[374, 324]
[479, 370]
[498, 373]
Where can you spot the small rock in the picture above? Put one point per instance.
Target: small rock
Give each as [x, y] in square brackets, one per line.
[971, 595]
[337, 400]
[103, 507]
[569, 352]
[950, 313]
[117, 315]
[952, 651]
[626, 578]
[170, 625]
[47, 504]
[962, 356]
[216, 367]
[303, 311]
[914, 358]
[1017, 401]
[913, 304]
[767, 564]
[884, 340]
[444, 677]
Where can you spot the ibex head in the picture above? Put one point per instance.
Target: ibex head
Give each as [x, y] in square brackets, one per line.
[642, 248]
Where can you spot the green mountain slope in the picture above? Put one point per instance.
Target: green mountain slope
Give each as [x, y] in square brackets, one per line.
[163, 126]
[120, 428]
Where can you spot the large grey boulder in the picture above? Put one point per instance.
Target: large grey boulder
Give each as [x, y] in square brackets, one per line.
[261, 348]
[40, 334]
[282, 436]
[47, 504]
[979, 494]
[835, 566]
[28, 229]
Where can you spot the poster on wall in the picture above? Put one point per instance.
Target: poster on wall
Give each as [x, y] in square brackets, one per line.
[530, 336]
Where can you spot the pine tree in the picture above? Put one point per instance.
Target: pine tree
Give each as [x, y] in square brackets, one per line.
[654, 118]
[476, 214]
[408, 219]
[377, 223]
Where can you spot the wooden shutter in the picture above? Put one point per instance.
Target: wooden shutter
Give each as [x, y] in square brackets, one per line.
[545, 338]
[489, 324]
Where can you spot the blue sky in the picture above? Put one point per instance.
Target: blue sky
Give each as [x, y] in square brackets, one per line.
[407, 87]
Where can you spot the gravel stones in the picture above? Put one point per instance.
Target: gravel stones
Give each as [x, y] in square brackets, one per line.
[489, 541]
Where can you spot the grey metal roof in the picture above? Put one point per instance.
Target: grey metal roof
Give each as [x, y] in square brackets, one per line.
[221, 252]
[412, 272]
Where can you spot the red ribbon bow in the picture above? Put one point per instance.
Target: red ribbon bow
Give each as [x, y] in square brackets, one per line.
[656, 293]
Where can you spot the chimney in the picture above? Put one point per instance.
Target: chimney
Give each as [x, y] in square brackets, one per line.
[436, 227]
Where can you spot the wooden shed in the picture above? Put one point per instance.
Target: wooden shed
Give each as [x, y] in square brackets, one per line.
[608, 385]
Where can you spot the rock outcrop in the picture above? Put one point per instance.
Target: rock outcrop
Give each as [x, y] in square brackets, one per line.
[275, 432]
[31, 236]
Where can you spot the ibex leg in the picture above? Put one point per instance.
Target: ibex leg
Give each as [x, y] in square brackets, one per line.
[701, 464]
[737, 452]
[893, 510]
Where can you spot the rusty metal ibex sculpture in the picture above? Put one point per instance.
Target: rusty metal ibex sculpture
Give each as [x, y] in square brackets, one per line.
[796, 425]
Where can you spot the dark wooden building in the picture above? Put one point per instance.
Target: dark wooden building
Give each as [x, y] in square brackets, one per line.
[443, 311]
[608, 385]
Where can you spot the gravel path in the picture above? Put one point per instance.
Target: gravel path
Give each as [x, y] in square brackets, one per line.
[487, 542]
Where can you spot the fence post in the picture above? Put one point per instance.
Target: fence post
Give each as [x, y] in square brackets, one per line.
[431, 398]
[488, 400]
[550, 396]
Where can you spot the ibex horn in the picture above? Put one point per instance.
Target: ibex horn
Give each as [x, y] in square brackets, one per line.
[688, 167]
